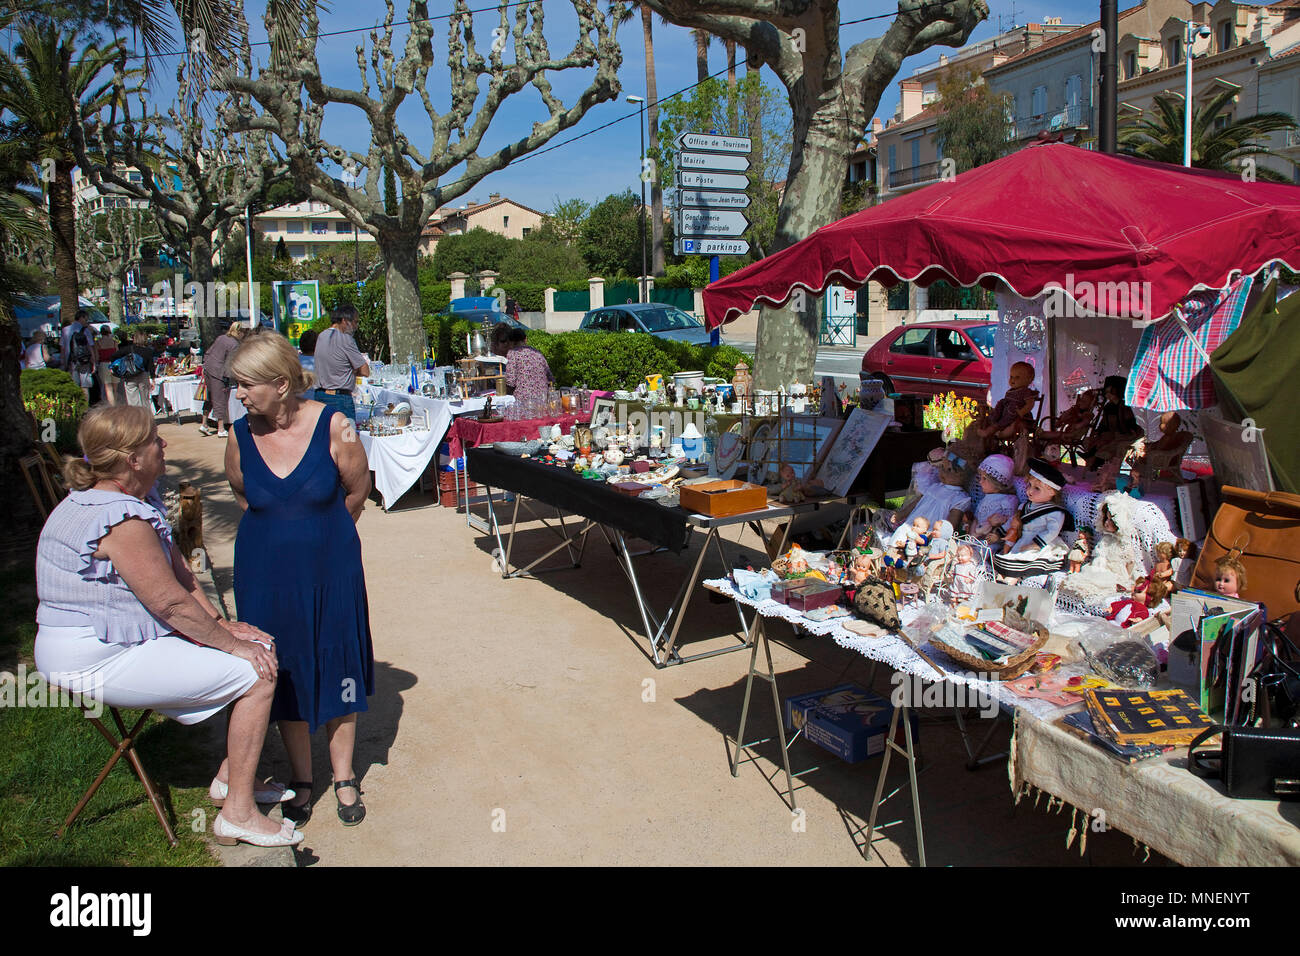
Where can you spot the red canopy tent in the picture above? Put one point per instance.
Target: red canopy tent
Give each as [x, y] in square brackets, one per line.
[1048, 214]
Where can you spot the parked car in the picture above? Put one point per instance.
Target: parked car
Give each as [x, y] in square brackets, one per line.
[483, 317]
[654, 318]
[931, 358]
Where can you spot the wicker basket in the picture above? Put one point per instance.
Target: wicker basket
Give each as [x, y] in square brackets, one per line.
[1010, 669]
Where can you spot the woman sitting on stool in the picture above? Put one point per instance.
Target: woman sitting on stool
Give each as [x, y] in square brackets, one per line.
[123, 620]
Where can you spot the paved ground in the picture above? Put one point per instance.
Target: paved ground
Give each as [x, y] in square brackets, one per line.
[516, 722]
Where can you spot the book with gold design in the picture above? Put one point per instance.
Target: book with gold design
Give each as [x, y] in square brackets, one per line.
[1146, 716]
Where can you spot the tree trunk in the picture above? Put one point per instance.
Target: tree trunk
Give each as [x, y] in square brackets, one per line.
[16, 425]
[732, 107]
[402, 296]
[63, 228]
[202, 273]
[787, 339]
[115, 310]
[656, 187]
[701, 55]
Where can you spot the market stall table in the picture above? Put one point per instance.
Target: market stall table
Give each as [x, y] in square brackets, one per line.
[178, 392]
[618, 516]
[1158, 801]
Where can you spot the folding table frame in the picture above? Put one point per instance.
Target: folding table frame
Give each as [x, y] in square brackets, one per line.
[661, 634]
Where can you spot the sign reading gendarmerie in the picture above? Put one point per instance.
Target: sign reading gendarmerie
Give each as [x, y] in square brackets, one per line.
[707, 222]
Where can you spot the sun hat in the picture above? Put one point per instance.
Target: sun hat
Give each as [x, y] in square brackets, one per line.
[999, 467]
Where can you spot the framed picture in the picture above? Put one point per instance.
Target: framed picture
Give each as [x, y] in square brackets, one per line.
[602, 412]
[803, 441]
[856, 440]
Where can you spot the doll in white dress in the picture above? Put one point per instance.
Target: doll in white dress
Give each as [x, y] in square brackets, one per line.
[999, 504]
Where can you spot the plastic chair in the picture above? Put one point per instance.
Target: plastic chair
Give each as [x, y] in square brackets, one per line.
[125, 746]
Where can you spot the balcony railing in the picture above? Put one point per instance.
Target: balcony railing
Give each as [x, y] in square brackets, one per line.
[1070, 118]
[925, 173]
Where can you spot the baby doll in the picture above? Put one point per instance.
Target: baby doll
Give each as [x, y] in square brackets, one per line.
[942, 492]
[1011, 413]
[1184, 562]
[999, 503]
[1116, 427]
[910, 537]
[861, 569]
[1080, 551]
[1128, 611]
[791, 488]
[965, 577]
[1043, 517]
[1162, 572]
[1229, 576]
[1072, 424]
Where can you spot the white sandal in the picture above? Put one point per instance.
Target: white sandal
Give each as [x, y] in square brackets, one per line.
[228, 834]
[262, 793]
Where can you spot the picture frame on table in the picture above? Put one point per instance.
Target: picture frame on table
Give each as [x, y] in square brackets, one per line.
[603, 412]
[851, 448]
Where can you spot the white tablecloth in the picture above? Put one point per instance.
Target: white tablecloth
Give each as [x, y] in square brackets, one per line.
[398, 461]
[179, 393]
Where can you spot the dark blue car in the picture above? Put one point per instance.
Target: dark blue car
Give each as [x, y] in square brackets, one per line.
[655, 318]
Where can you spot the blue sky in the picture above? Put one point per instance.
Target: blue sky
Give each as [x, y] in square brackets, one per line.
[605, 161]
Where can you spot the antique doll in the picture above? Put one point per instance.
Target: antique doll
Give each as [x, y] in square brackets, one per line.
[911, 537]
[1038, 547]
[791, 488]
[1229, 576]
[1183, 562]
[1072, 424]
[999, 503]
[1012, 411]
[1114, 562]
[1080, 551]
[1116, 426]
[861, 569]
[942, 492]
[965, 576]
[1162, 458]
[1128, 611]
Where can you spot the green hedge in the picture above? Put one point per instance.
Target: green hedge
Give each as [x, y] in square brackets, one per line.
[615, 360]
[52, 382]
[53, 398]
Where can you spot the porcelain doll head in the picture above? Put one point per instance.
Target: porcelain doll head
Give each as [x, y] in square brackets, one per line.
[1020, 375]
[1229, 576]
[965, 554]
[1183, 548]
[1045, 482]
[1140, 590]
[921, 525]
[996, 473]
[1164, 551]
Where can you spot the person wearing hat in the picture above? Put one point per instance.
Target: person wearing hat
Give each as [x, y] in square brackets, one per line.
[999, 504]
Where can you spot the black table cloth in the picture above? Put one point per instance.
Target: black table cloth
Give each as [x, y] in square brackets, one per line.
[563, 489]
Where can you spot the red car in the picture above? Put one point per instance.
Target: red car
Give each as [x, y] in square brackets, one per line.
[931, 358]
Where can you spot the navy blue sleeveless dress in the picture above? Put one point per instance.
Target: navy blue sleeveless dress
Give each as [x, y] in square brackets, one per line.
[298, 576]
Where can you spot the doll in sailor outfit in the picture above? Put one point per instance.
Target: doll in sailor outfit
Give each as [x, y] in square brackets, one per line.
[1043, 519]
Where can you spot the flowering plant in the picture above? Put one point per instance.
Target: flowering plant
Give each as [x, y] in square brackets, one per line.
[56, 419]
[950, 413]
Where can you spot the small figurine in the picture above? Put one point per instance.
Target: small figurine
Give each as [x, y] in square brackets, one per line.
[791, 488]
[1079, 553]
[1162, 573]
[862, 568]
[1229, 576]
[1011, 414]
[741, 382]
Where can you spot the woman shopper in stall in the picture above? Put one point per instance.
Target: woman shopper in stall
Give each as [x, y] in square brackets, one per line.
[106, 347]
[137, 384]
[299, 472]
[122, 619]
[528, 376]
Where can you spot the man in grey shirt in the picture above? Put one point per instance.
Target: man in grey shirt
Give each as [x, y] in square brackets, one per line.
[339, 361]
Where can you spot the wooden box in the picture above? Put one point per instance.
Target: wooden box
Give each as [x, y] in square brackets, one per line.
[722, 498]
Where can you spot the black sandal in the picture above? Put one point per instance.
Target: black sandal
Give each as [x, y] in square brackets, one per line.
[353, 813]
[298, 814]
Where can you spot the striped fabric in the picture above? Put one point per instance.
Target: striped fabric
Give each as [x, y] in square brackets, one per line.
[1169, 373]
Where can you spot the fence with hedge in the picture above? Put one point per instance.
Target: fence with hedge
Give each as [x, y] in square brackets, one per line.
[614, 360]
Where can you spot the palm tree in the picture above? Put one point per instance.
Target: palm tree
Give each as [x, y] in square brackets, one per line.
[701, 55]
[652, 107]
[40, 112]
[1160, 137]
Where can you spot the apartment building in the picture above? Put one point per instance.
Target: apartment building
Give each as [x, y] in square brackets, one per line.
[307, 228]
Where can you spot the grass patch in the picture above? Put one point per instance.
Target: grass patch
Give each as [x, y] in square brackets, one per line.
[52, 754]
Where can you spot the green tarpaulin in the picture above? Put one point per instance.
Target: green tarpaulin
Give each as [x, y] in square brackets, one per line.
[1257, 370]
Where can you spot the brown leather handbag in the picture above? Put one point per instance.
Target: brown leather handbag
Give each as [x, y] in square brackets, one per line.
[1262, 530]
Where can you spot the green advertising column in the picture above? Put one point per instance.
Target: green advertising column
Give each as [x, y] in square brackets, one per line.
[295, 306]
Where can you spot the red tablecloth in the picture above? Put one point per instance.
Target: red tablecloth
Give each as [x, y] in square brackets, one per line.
[468, 432]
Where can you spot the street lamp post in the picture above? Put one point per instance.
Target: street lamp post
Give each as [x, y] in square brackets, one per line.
[1193, 30]
[640, 101]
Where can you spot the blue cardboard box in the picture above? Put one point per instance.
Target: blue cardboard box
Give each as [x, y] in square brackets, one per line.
[847, 720]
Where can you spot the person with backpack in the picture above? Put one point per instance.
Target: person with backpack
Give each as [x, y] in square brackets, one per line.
[132, 365]
[77, 352]
[105, 349]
